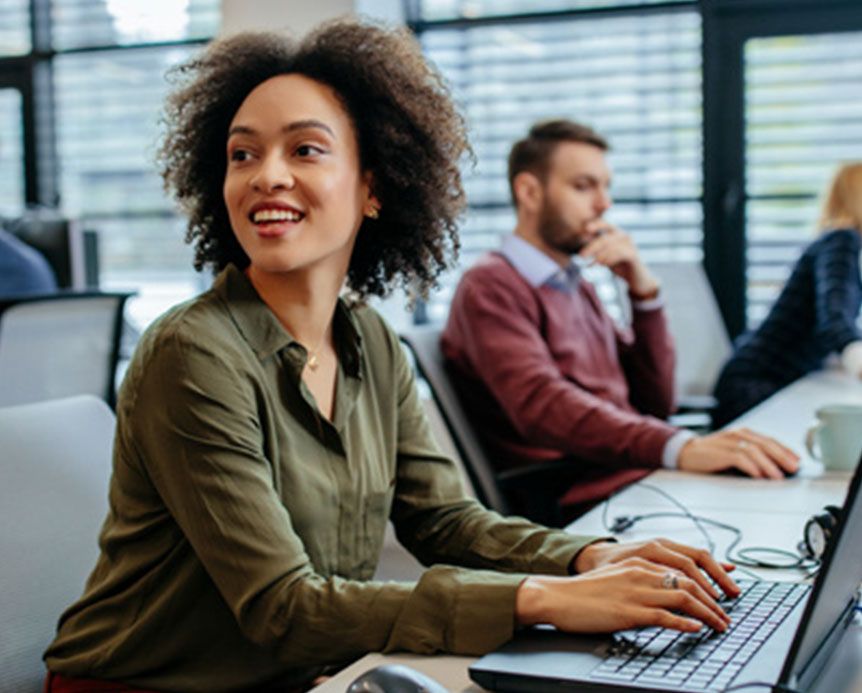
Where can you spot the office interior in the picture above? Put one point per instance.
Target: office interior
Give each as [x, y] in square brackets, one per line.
[726, 119]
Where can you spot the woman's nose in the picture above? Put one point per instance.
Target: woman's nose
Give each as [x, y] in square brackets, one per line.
[273, 174]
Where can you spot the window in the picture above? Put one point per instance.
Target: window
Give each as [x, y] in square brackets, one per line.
[11, 153]
[97, 86]
[644, 96]
[14, 27]
[448, 9]
[803, 117]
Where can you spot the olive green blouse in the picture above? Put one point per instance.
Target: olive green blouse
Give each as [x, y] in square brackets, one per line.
[244, 527]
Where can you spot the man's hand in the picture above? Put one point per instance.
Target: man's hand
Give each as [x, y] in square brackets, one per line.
[756, 455]
[656, 583]
[615, 250]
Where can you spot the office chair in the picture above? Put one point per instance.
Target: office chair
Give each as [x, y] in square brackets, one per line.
[702, 343]
[525, 491]
[59, 345]
[54, 473]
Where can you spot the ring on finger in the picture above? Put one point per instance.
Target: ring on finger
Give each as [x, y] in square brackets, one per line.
[742, 445]
[670, 581]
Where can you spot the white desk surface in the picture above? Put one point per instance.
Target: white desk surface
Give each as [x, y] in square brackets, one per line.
[770, 513]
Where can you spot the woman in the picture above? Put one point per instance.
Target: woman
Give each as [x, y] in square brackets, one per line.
[816, 314]
[268, 429]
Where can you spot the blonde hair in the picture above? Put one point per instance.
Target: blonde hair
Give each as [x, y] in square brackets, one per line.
[842, 204]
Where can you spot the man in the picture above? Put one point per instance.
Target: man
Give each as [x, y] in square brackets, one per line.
[23, 270]
[540, 363]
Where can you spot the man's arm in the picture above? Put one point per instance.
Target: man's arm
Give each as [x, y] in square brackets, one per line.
[649, 361]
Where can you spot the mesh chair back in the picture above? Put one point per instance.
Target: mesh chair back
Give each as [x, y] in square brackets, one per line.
[424, 342]
[54, 473]
[59, 346]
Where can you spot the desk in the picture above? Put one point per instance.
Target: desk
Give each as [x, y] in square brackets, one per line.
[770, 513]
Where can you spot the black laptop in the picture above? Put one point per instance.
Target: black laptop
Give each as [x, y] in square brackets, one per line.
[781, 635]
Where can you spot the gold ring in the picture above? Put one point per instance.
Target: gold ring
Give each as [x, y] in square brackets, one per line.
[669, 581]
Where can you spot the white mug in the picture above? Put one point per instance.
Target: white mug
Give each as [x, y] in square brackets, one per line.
[836, 438]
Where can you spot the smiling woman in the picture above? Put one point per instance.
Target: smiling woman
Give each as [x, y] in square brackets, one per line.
[268, 429]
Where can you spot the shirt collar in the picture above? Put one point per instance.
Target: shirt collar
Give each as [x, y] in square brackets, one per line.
[266, 335]
[536, 267]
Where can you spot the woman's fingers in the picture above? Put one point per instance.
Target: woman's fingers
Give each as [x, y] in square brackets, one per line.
[667, 619]
[687, 596]
[692, 562]
[684, 564]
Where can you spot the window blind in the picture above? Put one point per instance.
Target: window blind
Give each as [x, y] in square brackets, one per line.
[11, 153]
[451, 9]
[85, 23]
[14, 27]
[803, 113]
[635, 78]
[108, 105]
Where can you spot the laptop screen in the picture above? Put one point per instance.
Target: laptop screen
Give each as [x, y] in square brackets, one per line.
[834, 590]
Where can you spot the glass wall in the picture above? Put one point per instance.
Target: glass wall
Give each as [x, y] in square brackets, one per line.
[803, 98]
[634, 77]
[99, 107]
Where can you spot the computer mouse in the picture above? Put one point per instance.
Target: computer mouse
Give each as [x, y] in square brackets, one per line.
[395, 678]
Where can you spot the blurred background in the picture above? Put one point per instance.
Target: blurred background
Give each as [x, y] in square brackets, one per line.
[726, 118]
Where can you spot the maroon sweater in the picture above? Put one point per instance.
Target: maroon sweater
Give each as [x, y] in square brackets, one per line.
[546, 375]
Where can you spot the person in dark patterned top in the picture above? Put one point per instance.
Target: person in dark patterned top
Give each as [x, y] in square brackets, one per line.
[815, 316]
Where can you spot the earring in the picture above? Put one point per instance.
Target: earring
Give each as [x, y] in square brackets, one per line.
[373, 212]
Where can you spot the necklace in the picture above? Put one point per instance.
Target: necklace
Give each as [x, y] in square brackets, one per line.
[313, 362]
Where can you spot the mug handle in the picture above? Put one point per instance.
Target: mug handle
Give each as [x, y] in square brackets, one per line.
[812, 441]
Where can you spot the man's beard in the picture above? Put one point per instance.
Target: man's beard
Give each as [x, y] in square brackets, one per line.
[557, 234]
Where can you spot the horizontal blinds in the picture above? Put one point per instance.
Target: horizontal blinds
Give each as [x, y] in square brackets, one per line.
[453, 9]
[803, 114]
[11, 153]
[108, 105]
[84, 23]
[14, 27]
[644, 96]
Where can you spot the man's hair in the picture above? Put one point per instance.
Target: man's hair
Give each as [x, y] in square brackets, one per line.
[410, 137]
[533, 153]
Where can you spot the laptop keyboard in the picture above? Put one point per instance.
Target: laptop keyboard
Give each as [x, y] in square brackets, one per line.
[706, 660]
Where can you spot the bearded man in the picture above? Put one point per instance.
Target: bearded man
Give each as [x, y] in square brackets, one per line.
[542, 368]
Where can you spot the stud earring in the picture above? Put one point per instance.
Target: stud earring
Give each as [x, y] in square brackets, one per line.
[372, 213]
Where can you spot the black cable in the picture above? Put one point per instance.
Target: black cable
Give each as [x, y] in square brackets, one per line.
[745, 557]
[778, 687]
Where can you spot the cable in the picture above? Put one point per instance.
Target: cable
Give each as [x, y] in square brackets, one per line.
[778, 687]
[751, 556]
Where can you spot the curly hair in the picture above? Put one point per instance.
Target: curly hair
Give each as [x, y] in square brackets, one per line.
[410, 137]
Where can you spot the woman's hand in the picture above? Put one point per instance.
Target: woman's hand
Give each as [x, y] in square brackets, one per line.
[656, 583]
[682, 558]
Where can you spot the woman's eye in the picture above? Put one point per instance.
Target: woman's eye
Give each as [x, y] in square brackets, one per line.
[308, 150]
[240, 155]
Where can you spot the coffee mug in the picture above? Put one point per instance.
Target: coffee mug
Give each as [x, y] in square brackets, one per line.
[836, 438]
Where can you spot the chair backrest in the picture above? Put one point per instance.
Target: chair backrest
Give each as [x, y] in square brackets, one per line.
[702, 343]
[424, 342]
[55, 461]
[60, 345]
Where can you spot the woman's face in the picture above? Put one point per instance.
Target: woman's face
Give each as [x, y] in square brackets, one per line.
[294, 191]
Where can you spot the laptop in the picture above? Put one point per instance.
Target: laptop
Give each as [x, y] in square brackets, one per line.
[781, 635]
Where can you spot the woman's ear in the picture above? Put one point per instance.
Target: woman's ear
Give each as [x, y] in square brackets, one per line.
[371, 209]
